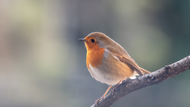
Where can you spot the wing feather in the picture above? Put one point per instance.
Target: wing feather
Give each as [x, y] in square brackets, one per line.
[125, 58]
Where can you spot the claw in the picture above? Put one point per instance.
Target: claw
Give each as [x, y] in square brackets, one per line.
[112, 90]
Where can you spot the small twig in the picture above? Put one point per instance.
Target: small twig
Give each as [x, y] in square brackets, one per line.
[130, 85]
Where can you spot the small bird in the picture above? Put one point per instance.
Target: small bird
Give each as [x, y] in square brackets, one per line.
[107, 61]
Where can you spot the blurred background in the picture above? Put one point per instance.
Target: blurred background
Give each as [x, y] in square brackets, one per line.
[43, 65]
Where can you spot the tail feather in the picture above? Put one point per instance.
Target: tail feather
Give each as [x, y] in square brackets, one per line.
[144, 71]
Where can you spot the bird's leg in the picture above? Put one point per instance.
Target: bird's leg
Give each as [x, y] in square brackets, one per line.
[116, 86]
[104, 94]
[108, 90]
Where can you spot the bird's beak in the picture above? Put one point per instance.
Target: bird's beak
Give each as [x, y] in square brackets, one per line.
[82, 39]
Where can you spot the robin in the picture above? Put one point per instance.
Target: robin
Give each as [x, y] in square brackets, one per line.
[107, 61]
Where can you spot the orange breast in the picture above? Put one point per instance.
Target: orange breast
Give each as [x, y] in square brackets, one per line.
[94, 56]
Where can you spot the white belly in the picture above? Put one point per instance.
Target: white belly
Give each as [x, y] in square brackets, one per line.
[103, 78]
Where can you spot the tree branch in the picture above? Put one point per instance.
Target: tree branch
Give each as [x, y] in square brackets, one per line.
[130, 85]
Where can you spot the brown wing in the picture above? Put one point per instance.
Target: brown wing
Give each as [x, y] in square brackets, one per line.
[125, 58]
[131, 63]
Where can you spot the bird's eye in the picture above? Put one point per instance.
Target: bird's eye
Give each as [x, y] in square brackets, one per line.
[92, 40]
